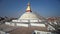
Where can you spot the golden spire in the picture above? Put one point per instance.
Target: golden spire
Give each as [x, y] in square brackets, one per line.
[28, 8]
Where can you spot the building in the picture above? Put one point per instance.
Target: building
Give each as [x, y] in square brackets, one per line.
[27, 24]
[27, 19]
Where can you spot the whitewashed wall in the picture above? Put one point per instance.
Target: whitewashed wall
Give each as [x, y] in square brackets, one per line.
[7, 23]
[33, 20]
[24, 25]
[41, 32]
[24, 20]
[14, 20]
[37, 24]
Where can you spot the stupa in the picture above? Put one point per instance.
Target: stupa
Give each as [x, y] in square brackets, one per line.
[28, 14]
[28, 18]
[29, 23]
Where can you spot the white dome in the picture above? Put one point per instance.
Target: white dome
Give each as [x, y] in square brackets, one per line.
[29, 15]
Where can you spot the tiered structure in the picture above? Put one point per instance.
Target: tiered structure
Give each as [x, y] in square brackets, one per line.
[29, 22]
[28, 18]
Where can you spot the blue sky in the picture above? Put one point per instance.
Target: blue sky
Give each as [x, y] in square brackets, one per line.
[15, 8]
